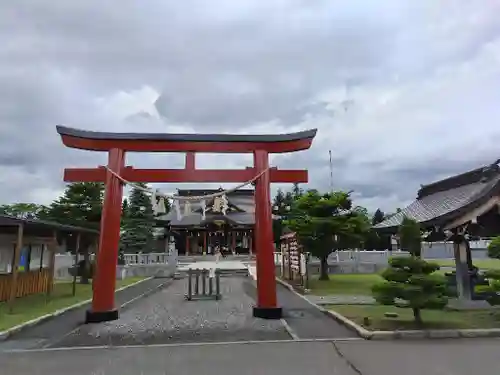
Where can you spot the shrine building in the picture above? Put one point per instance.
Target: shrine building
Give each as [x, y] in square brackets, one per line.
[226, 221]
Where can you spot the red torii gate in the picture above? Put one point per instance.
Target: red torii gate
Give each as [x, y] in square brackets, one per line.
[117, 144]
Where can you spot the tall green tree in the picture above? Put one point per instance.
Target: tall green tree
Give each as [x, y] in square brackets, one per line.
[80, 205]
[374, 239]
[278, 206]
[23, 210]
[327, 222]
[297, 191]
[138, 224]
[378, 217]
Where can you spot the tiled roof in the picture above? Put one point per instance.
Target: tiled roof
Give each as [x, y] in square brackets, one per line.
[436, 205]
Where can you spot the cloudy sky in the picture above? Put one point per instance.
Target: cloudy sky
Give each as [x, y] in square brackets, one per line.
[403, 92]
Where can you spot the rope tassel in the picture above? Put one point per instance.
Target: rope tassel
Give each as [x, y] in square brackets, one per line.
[187, 208]
[154, 205]
[177, 208]
[161, 206]
[203, 205]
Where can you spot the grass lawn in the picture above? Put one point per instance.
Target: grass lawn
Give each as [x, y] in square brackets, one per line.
[31, 307]
[347, 284]
[432, 319]
[481, 263]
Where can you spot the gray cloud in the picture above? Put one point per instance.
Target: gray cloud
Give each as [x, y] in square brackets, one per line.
[418, 78]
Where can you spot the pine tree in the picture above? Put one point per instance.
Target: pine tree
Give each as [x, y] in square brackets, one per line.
[80, 205]
[410, 237]
[378, 217]
[297, 191]
[325, 223]
[138, 224]
[412, 279]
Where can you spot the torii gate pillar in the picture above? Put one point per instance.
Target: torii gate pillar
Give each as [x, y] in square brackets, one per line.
[267, 304]
[117, 144]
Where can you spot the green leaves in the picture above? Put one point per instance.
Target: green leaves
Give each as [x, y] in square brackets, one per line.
[410, 236]
[137, 223]
[80, 205]
[411, 282]
[23, 210]
[494, 248]
[325, 222]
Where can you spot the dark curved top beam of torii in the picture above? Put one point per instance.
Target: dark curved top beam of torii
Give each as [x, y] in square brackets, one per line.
[165, 142]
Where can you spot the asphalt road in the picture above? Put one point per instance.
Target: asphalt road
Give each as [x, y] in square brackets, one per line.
[438, 357]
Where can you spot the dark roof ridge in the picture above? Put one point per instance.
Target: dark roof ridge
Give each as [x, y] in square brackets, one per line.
[482, 174]
[192, 192]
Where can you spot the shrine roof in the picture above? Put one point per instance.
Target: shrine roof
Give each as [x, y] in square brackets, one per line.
[441, 202]
[169, 142]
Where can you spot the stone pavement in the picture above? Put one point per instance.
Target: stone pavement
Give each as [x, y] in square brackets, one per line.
[166, 317]
[54, 329]
[306, 321]
[438, 357]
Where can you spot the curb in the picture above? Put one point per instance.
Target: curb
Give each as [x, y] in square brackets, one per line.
[4, 335]
[395, 335]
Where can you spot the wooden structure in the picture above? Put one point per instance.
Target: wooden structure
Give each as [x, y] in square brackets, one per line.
[294, 262]
[117, 144]
[29, 247]
[198, 234]
[456, 208]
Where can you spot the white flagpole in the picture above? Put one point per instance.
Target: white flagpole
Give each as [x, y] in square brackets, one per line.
[331, 172]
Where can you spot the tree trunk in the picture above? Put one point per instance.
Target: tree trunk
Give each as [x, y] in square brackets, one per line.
[323, 268]
[418, 317]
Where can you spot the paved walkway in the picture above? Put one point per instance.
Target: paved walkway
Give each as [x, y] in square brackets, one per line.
[166, 317]
[54, 329]
[438, 357]
[306, 321]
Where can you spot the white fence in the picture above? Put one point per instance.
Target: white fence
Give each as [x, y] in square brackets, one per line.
[435, 250]
[146, 258]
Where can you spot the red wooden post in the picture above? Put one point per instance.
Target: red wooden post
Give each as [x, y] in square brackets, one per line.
[190, 161]
[103, 300]
[266, 279]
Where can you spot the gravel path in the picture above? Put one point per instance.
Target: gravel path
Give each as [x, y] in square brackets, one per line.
[55, 329]
[166, 317]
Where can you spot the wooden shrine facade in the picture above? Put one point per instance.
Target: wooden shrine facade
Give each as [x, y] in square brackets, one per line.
[198, 234]
[116, 173]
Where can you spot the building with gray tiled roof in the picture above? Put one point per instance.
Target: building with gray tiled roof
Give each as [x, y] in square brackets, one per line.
[232, 231]
[455, 209]
[470, 198]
